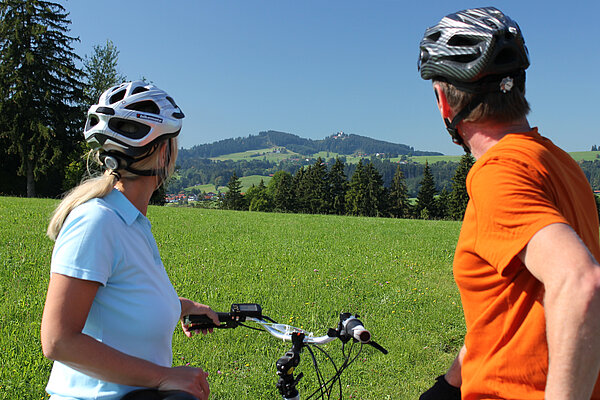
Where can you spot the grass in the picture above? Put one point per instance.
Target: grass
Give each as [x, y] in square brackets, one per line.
[585, 155]
[302, 269]
[434, 159]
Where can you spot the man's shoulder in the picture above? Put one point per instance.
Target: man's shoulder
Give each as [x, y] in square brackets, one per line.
[526, 149]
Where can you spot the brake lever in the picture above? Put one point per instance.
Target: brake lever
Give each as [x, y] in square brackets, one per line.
[378, 346]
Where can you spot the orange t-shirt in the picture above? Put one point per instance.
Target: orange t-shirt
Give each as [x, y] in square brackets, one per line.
[520, 185]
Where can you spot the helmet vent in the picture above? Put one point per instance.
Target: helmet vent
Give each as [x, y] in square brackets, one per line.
[171, 101]
[120, 95]
[139, 89]
[147, 106]
[93, 120]
[462, 41]
[465, 58]
[434, 37]
[130, 129]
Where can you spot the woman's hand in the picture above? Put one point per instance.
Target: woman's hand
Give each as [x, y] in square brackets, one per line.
[189, 307]
[189, 379]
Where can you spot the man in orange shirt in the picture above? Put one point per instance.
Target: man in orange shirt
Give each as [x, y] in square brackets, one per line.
[526, 262]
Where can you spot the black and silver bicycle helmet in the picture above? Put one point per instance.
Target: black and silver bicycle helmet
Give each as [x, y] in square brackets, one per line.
[129, 119]
[468, 46]
[479, 51]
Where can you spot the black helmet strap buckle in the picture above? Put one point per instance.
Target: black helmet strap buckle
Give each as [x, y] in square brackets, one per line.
[115, 161]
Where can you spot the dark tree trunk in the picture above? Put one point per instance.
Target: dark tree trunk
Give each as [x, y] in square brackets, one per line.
[30, 179]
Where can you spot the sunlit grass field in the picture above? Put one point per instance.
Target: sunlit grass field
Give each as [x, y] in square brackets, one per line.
[303, 270]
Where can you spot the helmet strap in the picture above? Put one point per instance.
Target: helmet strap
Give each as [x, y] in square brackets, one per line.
[125, 161]
[451, 126]
[152, 172]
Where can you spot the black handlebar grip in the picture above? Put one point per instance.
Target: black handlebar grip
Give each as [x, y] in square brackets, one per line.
[205, 322]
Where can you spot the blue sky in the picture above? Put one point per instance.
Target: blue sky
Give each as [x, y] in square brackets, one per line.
[313, 68]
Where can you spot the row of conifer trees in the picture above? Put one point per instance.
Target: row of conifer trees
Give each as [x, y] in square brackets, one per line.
[317, 189]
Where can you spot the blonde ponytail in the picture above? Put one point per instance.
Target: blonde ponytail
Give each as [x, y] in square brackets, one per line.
[98, 186]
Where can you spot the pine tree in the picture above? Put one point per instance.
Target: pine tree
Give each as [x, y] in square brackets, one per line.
[459, 198]
[101, 72]
[317, 188]
[258, 198]
[425, 207]
[233, 198]
[40, 88]
[355, 193]
[281, 190]
[338, 186]
[398, 198]
[375, 193]
[301, 189]
[311, 187]
[366, 194]
[442, 205]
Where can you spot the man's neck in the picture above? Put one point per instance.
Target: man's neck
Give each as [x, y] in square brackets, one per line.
[480, 137]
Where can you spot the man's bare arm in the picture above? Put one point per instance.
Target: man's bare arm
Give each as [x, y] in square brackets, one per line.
[571, 277]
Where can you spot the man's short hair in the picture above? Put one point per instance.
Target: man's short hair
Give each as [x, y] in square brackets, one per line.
[495, 106]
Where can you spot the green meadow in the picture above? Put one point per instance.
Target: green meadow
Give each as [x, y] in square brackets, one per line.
[303, 269]
[585, 155]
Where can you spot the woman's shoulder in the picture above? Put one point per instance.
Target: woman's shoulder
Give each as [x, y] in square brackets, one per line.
[95, 213]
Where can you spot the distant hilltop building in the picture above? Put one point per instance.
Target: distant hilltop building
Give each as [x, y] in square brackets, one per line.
[339, 135]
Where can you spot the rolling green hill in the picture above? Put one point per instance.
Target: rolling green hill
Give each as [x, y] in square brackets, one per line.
[340, 143]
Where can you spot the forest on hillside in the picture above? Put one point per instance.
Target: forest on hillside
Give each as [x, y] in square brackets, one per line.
[341, 143]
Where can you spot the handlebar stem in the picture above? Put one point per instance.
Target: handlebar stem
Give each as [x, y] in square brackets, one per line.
[286, 365]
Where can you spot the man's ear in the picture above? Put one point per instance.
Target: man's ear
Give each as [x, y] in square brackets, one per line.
[442, 102]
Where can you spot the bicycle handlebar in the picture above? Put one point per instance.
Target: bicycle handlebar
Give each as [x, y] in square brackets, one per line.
[349, 327]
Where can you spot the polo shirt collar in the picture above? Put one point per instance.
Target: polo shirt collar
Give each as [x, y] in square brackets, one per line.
[122, 206]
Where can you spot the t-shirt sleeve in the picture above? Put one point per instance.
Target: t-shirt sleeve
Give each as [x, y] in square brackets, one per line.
[511, 207]
[83, 248]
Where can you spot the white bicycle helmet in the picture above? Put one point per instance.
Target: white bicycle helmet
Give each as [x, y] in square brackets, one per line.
[129, 119]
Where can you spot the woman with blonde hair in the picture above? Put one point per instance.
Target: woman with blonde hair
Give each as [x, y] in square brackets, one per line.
[111, 308]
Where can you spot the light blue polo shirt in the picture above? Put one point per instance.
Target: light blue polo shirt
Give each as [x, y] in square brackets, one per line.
[136, 308]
